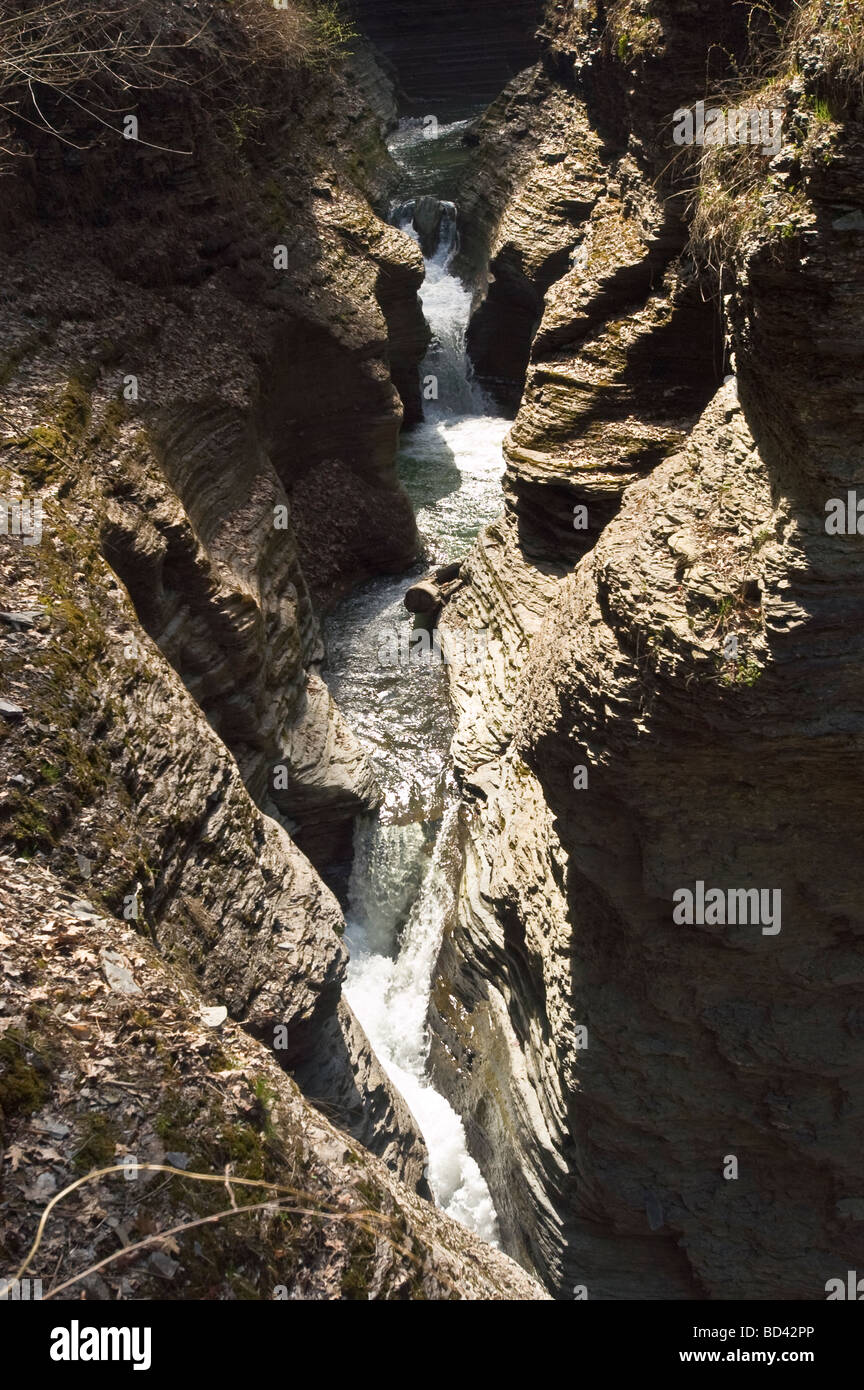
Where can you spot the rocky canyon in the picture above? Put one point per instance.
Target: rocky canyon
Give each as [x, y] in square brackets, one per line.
[430, 682]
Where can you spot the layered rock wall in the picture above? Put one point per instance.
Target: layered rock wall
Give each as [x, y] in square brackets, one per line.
[211, 287]
[445, 53]
[202, 330]
[663, 1109]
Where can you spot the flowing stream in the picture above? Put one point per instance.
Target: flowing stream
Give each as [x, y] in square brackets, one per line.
[403, 881]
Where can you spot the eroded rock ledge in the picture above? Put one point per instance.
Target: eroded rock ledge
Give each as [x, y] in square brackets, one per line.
[679, 702]
[206, 299]
[172, 961]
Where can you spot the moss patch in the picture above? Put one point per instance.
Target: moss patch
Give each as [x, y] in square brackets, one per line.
[25, 1076]
[99, 1137]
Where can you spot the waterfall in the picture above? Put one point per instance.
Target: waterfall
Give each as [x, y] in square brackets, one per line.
[453, 393]
[389, 991]
[404, 878]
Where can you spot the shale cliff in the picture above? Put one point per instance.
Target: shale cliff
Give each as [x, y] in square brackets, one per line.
[672, 695]
[445, 52]
[210, 341]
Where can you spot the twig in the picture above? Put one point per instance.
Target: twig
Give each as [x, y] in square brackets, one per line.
[321, 1212]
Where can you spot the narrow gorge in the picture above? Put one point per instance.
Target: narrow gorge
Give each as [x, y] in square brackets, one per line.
[430, 684]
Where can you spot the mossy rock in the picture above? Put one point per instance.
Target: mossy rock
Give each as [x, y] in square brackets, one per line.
[25, 1076]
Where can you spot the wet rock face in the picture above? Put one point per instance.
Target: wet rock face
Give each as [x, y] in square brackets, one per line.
[444, 52]
[701, 1043]
[677, 704]
[587, 127]
[428, 212]
[535, 176]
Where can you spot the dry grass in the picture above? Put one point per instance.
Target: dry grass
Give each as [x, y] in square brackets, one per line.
[830, 34]
[736, 196]
[632, 32]
[69, 64]
[734, 200]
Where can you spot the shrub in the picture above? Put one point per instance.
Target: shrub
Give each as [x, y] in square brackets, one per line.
[70, 69]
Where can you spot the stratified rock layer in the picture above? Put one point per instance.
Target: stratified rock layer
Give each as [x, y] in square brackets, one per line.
[662, 1109]
[165, 402]
[444, 52]
[224, 348]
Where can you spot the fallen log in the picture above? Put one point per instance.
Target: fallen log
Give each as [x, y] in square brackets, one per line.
[447, 573]
[432, 592]
[424, 597]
